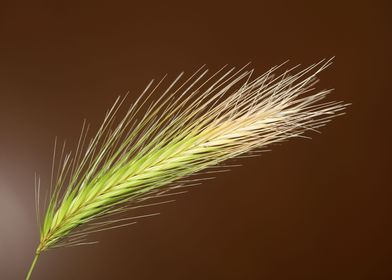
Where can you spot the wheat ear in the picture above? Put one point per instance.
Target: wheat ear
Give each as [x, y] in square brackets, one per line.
[194, 125]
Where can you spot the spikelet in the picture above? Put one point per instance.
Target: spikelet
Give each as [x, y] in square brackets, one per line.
[192, 126]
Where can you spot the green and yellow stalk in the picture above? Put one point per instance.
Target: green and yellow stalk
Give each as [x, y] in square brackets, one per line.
[192, 126]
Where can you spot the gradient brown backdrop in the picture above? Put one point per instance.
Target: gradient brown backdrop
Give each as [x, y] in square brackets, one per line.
[317, 209]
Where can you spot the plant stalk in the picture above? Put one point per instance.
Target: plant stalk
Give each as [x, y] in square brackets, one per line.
[32, 265]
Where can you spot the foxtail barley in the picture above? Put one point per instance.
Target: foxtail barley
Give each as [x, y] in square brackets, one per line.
[195, 124]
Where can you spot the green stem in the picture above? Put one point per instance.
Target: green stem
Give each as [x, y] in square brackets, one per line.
[32, 266]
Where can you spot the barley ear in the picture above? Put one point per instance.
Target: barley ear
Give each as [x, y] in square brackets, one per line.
[168, 139]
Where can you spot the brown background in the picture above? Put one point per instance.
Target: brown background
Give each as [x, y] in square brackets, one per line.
[317, 209]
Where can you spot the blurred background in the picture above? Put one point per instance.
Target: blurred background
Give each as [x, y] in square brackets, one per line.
[318, 209]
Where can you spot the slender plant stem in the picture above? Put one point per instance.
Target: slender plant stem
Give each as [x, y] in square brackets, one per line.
[32, 266]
